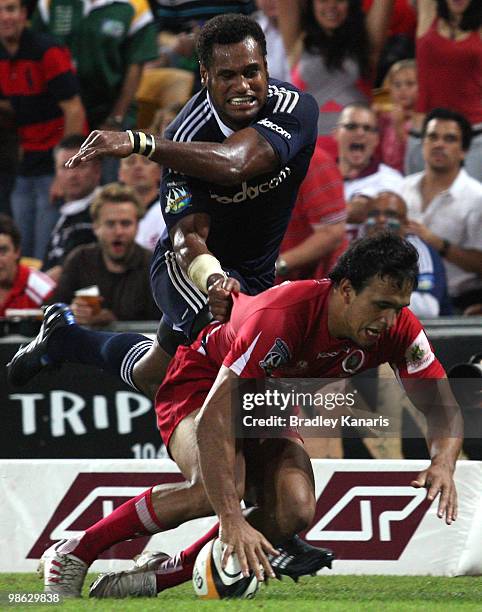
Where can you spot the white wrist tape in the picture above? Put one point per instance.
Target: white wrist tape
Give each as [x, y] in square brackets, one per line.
[131, 137]
[201, 268]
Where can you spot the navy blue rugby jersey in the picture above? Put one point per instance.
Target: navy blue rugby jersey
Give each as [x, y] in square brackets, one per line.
[248, 220]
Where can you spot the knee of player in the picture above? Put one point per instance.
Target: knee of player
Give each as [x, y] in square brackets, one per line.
[300, 510]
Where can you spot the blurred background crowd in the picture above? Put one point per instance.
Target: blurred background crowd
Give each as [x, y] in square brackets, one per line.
[399, 88]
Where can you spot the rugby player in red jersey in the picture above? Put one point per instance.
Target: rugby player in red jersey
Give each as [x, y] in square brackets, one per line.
[355, 320]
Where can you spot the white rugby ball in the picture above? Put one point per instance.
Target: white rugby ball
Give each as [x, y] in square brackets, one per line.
[211, 581]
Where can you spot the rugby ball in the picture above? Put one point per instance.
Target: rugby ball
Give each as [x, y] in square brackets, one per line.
[211, 581]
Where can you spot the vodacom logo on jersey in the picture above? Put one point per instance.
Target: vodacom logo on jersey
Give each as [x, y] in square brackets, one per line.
[253, 191]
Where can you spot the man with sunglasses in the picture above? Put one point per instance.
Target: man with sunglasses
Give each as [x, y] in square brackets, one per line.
[388, 211]
[363, 175]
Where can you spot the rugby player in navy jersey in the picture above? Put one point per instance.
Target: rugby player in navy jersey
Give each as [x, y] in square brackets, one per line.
[233, 161]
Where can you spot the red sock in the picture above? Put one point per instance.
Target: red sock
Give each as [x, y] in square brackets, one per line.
[134, 518]
[178, 569]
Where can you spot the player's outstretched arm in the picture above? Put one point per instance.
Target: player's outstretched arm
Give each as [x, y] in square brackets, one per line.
[220, 468]
[444, 440]
[241, 156]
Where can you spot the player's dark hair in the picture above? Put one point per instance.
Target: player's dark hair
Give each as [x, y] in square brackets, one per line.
[349, 40]
[384, 254]
[227, 29]
[8, 227]
[471, 17]
[446, 114]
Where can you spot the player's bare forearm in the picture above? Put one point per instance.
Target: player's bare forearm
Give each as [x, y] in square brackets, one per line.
[217, 448]
[217, 458]
[445, 448]
[445, 424]
[243, 155]
[444, 440]
[189, 237]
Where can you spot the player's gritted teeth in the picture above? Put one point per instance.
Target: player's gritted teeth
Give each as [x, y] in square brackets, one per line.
[243, 101]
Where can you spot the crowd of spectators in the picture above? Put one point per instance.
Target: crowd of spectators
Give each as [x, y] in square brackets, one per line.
[399, 88]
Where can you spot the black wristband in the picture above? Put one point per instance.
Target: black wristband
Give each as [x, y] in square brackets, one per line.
[137, 142]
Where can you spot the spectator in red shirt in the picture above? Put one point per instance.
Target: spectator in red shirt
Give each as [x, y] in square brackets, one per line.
[20, 286]
[315, 236]
[39, 90]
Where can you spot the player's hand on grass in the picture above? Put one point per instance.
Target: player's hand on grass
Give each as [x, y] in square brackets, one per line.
[100, 144]
[249, 545]
[219, 296]
[438, 480]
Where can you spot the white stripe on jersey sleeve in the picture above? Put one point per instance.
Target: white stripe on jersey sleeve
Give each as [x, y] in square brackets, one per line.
[241, 362]
[287, 99]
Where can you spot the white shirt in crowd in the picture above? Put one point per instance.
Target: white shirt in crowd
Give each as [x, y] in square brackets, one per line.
[384, 179]
[277, 61]
[454, 214]
[151, 226]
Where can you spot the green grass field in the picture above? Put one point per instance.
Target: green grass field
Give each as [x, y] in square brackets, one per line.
[330, 593]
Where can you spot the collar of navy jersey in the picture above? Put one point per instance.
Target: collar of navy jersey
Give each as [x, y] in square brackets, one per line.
[227, 131]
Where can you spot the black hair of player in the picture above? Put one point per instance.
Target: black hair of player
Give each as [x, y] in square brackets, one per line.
[382, 255]
[227, 29]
